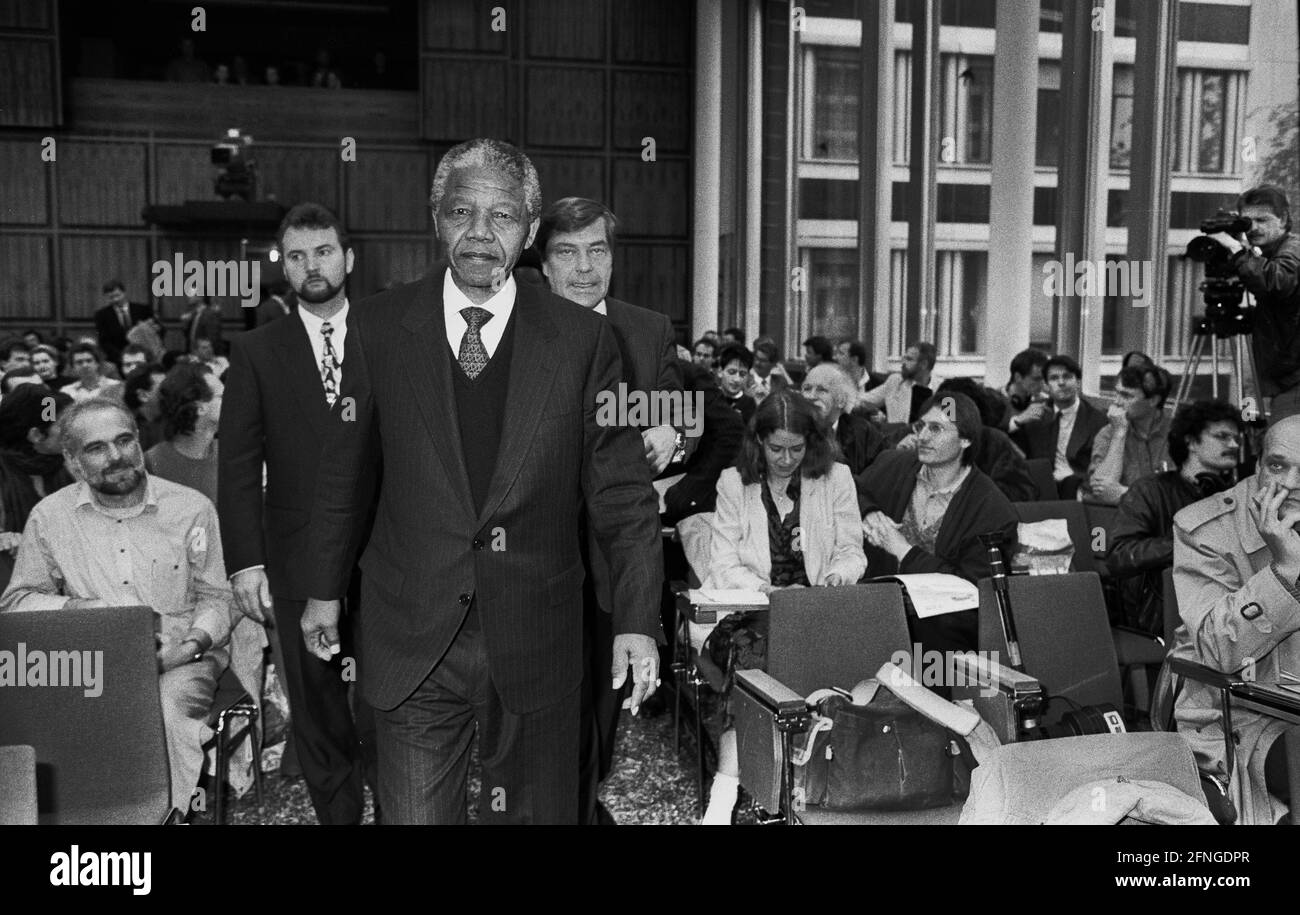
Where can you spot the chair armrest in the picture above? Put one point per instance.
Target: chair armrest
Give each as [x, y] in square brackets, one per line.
[1202, 674]
[679, 587]
[770, 692]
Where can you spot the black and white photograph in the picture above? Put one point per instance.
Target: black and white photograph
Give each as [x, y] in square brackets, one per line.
[746, 413]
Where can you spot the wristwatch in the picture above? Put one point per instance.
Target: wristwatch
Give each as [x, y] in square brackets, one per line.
[679, 448]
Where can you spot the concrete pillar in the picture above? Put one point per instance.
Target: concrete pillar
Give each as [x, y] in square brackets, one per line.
[1087, 57]
[875, 161]
[1011, 199]
[922, 198]
[708, 166]
[752, 310]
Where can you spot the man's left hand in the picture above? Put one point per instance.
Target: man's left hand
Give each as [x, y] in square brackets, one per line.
[175, 655]
[641, 654]
[660, 443]
[1232, 244]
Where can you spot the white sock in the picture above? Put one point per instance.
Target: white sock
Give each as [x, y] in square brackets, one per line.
[722, 800]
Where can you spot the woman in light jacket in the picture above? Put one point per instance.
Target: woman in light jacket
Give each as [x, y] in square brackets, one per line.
[787, 517]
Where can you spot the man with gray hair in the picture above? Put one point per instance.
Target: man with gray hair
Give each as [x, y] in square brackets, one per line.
[832, 390]
[479, 397]
[120, 537]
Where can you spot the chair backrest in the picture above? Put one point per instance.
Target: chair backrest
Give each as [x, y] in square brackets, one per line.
[1076, 520]
[1173, 619]
[1064, 633]
[1100, 518]
[1040, 471]
[100, 751]
[818, 637]
[823, 637]
[17, 786]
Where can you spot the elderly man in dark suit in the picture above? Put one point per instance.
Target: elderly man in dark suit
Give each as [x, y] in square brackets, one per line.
[479, 396]
[1062, 432]
[576, 241]
[282, 390]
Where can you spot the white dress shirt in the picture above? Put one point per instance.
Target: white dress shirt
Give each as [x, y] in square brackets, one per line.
[339, 325]
[501, 305]
[1062, 468]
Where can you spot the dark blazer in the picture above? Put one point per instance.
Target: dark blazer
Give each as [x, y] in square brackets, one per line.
[111, 333]
[519, 559]
[269, 309]
[276, 413]
[977, 507]
[860, 441]
[1038, 440]
[209, 326]
[716, 450]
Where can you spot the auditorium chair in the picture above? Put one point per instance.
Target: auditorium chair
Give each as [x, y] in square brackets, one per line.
[1139, 652]
[1076, 521]
[101, 759]
[232, 701]
[18, 786]
[1040, 471]
[819, 637]
[1065, 638]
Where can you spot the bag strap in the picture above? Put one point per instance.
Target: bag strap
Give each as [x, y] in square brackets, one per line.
[942, 712]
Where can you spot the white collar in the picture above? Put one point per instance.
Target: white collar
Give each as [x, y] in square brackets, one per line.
[454, 300]
[600, 308]
[314, 323]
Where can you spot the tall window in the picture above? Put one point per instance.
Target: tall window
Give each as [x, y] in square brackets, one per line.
[1206, 117]
[832, 291]
[1121, 117]
[837, 76]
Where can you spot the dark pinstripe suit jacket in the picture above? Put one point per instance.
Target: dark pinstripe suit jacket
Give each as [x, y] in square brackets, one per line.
[429, 551]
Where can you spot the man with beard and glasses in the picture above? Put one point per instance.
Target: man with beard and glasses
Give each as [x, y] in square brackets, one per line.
[281, 400]
[121, 537]
[898, 397]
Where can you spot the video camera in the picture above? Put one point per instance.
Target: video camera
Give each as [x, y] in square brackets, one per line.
[238, 175]
[1221, 290]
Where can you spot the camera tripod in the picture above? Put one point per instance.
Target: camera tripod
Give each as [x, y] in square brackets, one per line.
[1242, 361]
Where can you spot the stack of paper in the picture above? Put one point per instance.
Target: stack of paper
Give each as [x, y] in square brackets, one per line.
[936, 593]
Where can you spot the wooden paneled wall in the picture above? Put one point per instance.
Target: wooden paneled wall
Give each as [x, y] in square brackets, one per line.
[29, 64]
[580, 84]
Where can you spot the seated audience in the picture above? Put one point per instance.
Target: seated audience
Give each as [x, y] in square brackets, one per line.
[140, 394]
[14, 354]
[172, 563]
[48, 363]
[1027, 386]
[22, 375]
[995, 454]
[852, 357]
[1135, 442]
[734, 363]
[33, 338]
[205, 353]
[703, 352]
[767, 375]
[923, 511]
[829, 387]
[1063, 432]
[733, 335]
[1136, 358]
[133, 356]
[817, 350]
[189, 401]
[786, 518]
[1203, 444]
[31, 457]
[1236, 568]
[895, 398]
[86, 365]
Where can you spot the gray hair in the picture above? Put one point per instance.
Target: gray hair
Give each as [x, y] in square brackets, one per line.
[842, 384]
[68, 419]
[496, 155]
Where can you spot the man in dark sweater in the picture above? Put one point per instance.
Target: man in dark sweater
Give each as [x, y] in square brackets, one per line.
[924, 512]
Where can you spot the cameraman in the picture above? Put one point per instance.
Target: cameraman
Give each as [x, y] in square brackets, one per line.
[1267, 259]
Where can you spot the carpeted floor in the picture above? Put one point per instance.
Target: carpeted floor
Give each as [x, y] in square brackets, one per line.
[648, 785]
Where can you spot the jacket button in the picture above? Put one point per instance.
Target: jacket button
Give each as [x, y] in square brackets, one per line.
[478, 543]
[1227, 501]
[464, 599]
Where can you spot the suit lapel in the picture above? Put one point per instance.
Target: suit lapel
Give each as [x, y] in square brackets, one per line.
[1079, 434]
[427, 360]
[531, 375]
[623, 332]
[299, 361]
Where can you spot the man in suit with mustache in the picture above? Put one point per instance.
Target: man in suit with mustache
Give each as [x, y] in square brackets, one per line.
[479, 397]
[282, 398]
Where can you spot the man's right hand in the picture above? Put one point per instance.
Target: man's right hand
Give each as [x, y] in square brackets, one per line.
[1279, 531]
[1034, 413]
[1116, 415]
[320, 627]
[252, 593]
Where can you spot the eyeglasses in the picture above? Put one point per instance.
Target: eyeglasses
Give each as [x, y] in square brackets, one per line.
[933, 428]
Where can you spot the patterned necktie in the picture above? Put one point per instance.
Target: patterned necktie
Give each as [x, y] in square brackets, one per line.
[329, 364]
[473, 354]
